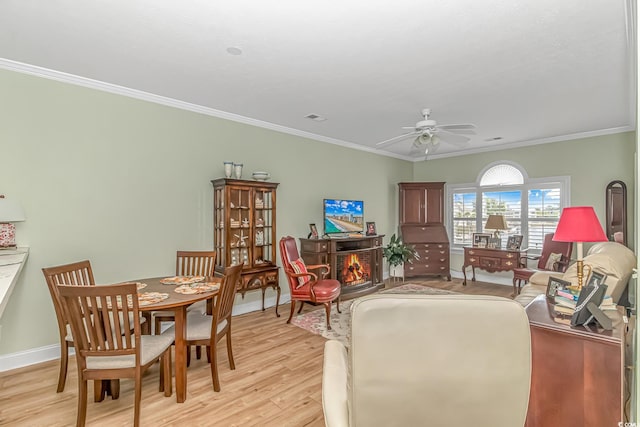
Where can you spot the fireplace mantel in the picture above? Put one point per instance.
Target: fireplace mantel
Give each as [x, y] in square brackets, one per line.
[356, 262]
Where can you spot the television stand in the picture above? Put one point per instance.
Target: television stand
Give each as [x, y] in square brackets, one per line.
[356, 262]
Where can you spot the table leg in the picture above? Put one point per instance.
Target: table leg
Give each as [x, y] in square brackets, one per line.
[277, 300]
[464, 273]
[181, 353]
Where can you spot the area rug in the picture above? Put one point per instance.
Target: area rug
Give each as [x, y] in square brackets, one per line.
[315, 322]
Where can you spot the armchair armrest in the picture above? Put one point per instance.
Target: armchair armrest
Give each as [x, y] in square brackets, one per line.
[334, 385]
[326, 267]
[561, 266]
[524, 257]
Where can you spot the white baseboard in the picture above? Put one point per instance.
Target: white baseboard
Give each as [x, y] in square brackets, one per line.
[51, 352]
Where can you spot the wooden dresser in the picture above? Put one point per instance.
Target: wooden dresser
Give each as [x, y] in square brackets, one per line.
[488, 259]
[576, 372]
[422, 225]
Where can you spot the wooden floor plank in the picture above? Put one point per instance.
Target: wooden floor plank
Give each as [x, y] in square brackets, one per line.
[277, 381]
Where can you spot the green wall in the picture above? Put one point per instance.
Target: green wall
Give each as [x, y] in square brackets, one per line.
[125, 183]
[590, 162]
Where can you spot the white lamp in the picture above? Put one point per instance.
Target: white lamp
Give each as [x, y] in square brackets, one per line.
[10, 212]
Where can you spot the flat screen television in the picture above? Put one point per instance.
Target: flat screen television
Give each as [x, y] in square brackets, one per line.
[343, 216]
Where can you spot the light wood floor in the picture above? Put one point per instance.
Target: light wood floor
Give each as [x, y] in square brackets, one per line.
[277, 381]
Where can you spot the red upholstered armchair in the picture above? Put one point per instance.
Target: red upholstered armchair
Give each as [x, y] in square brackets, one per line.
[304, 285]
[555, 256]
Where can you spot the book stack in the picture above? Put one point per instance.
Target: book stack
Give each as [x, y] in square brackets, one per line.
[565, 302]
[607, 303]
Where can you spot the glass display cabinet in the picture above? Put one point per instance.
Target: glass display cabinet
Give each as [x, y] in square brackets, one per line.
[244, 228]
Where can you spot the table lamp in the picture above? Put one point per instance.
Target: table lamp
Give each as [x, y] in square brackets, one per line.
[10, 212]
[579, 224]
[496, 223]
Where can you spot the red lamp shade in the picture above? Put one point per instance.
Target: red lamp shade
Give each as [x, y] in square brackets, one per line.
[579, 224]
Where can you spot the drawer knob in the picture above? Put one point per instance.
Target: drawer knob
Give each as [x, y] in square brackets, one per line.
[509, 263]
[441, 268]
[439, 246]
[510, 255]
[410, 268]
[443, 259]
[471, 252]
[324, 246]
[472, 259]
[442, 252]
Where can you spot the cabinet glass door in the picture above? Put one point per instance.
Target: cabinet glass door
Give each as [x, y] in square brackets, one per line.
[239, 229]
[263, 227]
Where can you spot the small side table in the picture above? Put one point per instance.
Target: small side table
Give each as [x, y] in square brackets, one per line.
[576, 372]
[489, 259]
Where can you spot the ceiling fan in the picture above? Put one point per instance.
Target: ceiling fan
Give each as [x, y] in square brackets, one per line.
[429, 134]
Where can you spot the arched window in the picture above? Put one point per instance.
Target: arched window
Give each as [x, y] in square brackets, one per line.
[531, 207]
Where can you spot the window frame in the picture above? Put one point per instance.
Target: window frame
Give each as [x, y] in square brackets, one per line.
[562, 182]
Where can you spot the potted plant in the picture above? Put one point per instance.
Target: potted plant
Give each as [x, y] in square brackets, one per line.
[397, 253]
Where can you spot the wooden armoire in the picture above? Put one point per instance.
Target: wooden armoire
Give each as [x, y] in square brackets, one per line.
[422, 225]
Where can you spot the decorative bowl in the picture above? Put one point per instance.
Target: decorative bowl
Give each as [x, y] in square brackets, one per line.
[260, 176]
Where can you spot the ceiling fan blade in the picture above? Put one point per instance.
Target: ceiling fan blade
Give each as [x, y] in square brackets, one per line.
[460, 126]
[396, 138]
[452, 138]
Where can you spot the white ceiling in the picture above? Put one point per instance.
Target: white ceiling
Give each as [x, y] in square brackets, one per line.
[527, 71]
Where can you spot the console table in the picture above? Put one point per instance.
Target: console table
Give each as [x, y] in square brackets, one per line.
[356, 262]
[576, 372]
[488, 259]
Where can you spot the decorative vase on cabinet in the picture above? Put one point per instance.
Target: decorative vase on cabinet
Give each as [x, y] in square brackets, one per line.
[244, 219]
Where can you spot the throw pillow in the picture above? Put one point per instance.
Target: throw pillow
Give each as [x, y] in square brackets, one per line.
[551, 261]
[300, 267]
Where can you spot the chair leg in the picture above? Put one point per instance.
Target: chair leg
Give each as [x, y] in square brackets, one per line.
[82, 402]
[136, 399]
[327, 308]
[115, 388]
[188, 356]
[208, 351]
[338, 304]
[166, 373]
[198, 352]
[64, 362]
[157, 326]
[301, 305]
[214, 367]
[99, 390]
[232, 363]
[293, 309]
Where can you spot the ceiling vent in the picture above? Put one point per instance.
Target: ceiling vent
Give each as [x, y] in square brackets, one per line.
[315, 117]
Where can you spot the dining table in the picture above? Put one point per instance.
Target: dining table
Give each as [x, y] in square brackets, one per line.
[178, 303]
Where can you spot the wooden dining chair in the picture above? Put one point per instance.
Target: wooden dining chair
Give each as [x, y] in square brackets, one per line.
[207, 330]
[189, 263]
[78, 274]
[101, 319]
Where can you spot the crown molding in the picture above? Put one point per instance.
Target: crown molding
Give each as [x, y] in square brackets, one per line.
[59, 76]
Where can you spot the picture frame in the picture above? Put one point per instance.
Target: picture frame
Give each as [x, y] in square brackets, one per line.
[590, 295]
[554, 285]
[314, 232]
[481, 240]
[371, 229]
[596, 278]
[514, 242]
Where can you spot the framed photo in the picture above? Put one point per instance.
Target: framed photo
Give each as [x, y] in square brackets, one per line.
[555, 284]
[371, 229]
[514, 242]
[481, 240]
[583, 315]
[314, 231]
[597, 278]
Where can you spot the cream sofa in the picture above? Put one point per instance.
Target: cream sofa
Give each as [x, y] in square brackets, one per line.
[430, 360]
[614, 259]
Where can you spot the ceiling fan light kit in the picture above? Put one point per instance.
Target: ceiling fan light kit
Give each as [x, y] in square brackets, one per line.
[429, 133]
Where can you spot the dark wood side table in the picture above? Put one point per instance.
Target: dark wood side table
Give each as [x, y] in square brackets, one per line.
[488, 259]
[577, 372]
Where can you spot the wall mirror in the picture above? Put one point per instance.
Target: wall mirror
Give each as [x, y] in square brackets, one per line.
[616, 221]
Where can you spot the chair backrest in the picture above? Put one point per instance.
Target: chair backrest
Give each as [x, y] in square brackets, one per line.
[74, 274]
[549, 246]
[288, 253]
[195, 263]
[102, 318]
[438, 360]
[226, 296]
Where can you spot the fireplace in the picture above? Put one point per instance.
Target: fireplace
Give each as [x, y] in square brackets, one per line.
[354, 268]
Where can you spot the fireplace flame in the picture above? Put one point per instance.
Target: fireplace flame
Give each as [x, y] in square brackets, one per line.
[354, 271]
